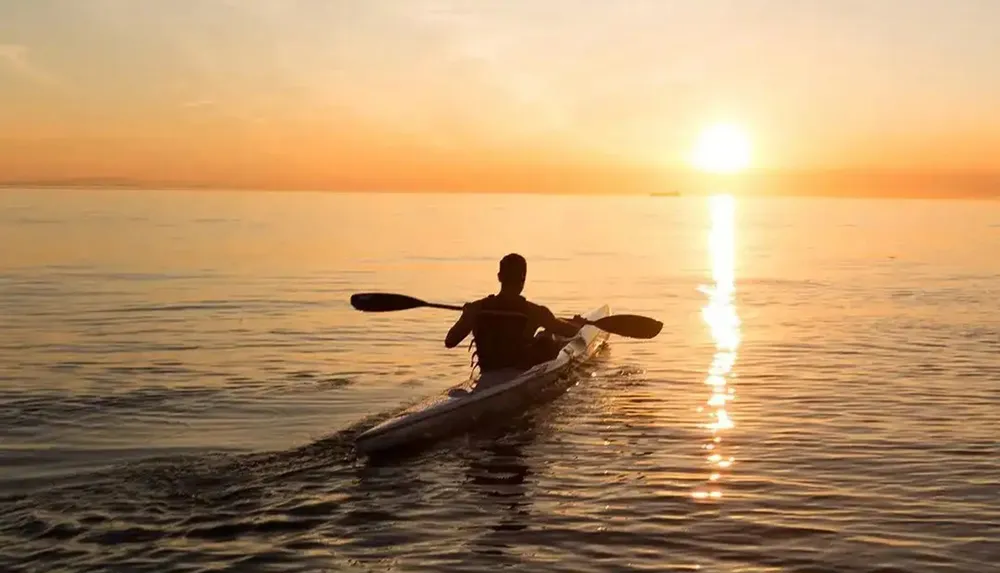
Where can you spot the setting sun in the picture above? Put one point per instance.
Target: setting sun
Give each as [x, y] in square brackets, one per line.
[722, 148]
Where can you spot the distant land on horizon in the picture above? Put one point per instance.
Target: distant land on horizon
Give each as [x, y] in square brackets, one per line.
[829, 183]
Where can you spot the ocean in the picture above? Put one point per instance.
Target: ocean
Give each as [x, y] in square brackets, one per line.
[181, 377]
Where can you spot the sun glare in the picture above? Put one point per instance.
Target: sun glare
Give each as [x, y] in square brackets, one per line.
[722, 148]
[723, 321]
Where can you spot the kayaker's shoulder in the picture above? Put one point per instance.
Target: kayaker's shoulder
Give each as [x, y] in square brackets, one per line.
[539, 309]
[477, 304]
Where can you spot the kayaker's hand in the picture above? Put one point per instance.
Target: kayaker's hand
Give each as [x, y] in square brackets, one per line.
[578, 321]
[463, 326]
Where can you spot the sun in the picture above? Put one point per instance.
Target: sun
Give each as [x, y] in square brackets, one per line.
[722, 148]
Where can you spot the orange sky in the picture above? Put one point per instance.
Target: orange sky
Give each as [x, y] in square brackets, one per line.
[554, 96]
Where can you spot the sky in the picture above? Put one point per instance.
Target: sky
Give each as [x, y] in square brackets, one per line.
[476, 95]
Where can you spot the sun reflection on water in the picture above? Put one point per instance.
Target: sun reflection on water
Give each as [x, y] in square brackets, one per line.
[720, 315]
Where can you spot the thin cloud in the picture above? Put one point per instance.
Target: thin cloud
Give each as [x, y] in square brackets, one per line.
[16, 58]
[198, 103]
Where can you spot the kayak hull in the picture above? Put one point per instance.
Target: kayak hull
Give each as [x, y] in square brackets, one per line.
[507, 393]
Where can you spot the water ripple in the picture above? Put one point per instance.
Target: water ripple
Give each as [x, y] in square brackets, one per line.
[822, 398]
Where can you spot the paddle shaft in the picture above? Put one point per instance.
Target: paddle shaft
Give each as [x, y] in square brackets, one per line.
[443, 306]
[389, 302]
[458, 308]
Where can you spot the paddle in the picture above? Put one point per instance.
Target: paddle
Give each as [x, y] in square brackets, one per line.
[627, 325]
[389, 302]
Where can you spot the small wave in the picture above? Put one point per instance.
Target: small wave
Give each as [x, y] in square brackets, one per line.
[238, 305]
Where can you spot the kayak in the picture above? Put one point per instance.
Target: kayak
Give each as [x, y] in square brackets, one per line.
[496, 394]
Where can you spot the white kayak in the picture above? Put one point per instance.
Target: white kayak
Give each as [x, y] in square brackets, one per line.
[504, 393]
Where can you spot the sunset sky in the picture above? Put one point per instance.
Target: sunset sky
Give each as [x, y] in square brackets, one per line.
[517, 95]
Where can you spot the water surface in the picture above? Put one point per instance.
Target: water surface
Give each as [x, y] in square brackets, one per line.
[181, 376]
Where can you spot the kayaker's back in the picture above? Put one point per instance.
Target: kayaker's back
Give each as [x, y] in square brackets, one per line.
[505, 340]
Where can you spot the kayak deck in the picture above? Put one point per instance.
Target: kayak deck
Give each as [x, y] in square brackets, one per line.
[494, 393]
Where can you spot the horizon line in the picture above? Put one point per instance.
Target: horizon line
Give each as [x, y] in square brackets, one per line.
[858, 194]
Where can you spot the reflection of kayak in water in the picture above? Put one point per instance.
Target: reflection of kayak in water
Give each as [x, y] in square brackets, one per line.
[499, 393]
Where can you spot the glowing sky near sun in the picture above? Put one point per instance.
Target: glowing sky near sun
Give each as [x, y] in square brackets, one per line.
[382, 94]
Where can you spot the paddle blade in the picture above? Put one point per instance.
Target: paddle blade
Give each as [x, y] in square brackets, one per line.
[384, 302]
[630, 325]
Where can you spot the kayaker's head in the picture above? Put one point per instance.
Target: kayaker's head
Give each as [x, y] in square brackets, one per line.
[513, 272]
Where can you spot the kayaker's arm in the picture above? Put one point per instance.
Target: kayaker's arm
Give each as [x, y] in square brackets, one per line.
[462, 327]
[557, 325]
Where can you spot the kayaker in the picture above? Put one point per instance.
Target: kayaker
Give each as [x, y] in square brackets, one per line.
[504, 325]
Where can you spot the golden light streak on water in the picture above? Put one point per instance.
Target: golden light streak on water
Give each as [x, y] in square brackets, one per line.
[719, 313]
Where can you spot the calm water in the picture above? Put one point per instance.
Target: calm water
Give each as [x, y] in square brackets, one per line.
[181, 375]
